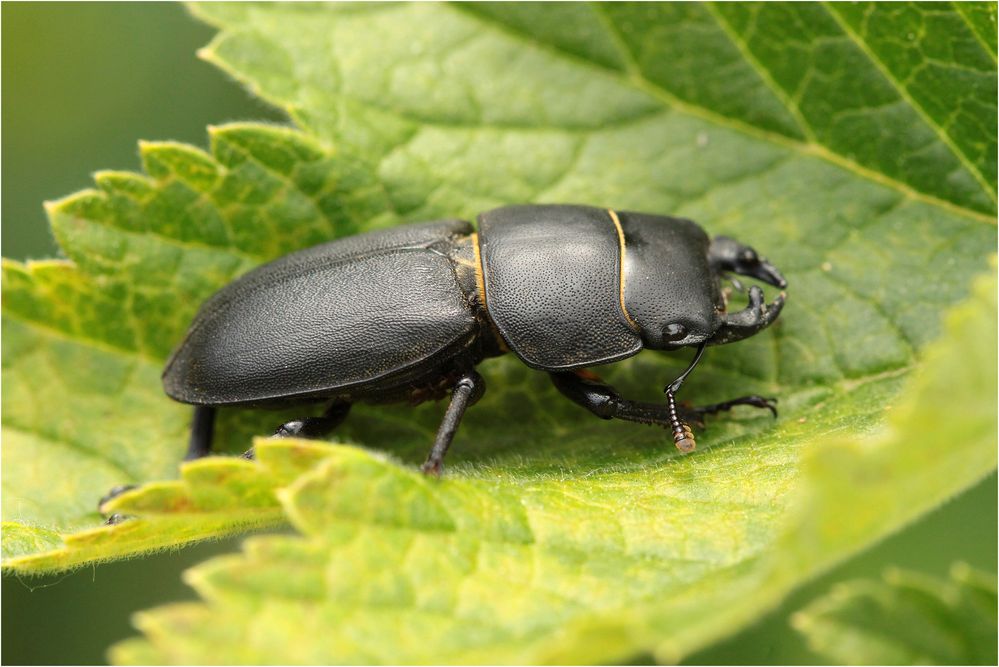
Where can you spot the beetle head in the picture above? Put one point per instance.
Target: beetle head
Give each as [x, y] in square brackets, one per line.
[693, 329]
[691, 323]
[672, 291]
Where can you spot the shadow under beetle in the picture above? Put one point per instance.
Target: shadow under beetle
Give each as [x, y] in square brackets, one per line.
[405, 314]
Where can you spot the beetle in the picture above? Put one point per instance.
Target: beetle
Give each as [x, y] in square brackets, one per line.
[406, 314]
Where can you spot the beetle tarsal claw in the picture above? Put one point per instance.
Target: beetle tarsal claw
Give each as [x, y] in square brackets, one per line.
[116, 519]
[114, 492]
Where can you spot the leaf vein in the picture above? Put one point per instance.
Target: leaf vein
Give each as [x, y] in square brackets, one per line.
[807, 149]
[762, 72]
[965, 160]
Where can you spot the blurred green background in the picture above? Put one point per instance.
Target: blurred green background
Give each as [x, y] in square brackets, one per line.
[82, 83]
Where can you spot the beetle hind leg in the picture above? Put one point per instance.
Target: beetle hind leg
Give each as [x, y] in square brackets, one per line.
[199, 446]
[202, 430]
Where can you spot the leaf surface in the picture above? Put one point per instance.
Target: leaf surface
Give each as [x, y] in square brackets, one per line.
[84, 342]
[526, 568]
[906, 619]
[555, 536]
[214, 497]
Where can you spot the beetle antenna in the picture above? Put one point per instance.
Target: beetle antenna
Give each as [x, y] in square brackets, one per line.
[683, 437]
[674, 386]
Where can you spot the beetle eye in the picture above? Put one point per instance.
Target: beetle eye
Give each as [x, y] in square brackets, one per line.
[674, 331]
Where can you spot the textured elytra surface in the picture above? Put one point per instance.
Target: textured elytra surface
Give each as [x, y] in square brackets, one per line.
[608, 542]
[906, 619]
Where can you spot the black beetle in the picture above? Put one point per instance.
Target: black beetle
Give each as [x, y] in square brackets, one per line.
[405, 314]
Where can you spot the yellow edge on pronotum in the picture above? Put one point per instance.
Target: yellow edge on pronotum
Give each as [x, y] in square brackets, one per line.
[480, 279]
[480, 287]
[620, 296]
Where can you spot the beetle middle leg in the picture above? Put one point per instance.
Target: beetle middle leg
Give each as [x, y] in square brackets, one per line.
[202, 430]
[467, 391]
[315, 427]
[310, 427]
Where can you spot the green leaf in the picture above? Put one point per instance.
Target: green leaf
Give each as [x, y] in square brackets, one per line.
[214, 497]
[555, 536]
[465, 91]
[84, 342]
[526, 568]
[906, 619]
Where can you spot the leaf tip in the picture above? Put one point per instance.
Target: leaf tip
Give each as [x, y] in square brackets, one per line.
[205, 53]
[54, 207]
[800, 621]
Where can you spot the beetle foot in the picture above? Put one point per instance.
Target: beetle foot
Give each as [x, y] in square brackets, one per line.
[290, 429]
[249, 454]
[432, 468]
[114, 492]
[768, 403]
[116, 519]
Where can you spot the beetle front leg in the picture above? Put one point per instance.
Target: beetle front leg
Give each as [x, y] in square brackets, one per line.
[603, 400]
[697, 413]
[467, 391]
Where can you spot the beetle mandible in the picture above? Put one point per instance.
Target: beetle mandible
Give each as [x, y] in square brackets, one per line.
[405, 315]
